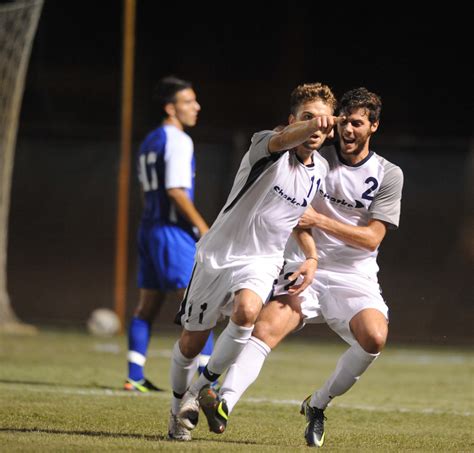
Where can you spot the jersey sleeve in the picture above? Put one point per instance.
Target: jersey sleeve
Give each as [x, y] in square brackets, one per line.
[387, 201]
[178, 161]
[259, 146]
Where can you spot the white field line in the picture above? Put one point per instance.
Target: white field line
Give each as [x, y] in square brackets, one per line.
[364, 407]
[391, 357]
[166, 395]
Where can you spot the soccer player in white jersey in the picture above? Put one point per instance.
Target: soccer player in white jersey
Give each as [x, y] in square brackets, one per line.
[239, 258]
[350, 214]
[170, 224]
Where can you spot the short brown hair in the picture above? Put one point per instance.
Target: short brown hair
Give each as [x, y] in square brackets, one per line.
[308, 92]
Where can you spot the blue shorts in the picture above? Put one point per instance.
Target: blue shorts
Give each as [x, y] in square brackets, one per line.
[166, 257]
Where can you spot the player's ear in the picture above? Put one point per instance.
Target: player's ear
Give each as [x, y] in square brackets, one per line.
[291, 118]
[332, 133]
[374, 126]
[170, 109]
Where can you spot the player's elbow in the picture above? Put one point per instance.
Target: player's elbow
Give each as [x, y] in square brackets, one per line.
[277, 143]
[175, 193]
[372, 244]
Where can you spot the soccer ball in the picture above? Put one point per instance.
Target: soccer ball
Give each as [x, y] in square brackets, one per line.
[103, 323]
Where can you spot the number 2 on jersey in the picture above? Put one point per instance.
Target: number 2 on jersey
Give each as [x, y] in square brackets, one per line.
[371, 180]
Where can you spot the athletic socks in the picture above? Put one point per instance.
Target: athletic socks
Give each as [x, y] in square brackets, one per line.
[206, 352]
[181, 375]
[348, 370]
[138, 339]
[226, 350]
[244, 371]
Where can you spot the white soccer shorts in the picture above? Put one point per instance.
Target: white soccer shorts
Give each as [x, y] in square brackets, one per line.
[210, 293]
[334, 298]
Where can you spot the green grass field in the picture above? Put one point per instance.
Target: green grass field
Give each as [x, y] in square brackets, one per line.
[61, 391]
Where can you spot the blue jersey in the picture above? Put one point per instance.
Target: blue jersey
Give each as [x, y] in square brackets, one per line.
[166, 161]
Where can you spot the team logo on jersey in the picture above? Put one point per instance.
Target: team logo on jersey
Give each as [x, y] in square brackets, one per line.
[341, 202]
[289, 198]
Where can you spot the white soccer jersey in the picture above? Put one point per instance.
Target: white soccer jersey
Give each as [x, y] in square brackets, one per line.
[269, 195]
[353, 195]
[178, 159]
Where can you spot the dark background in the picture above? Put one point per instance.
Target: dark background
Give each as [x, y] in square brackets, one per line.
[243, 64]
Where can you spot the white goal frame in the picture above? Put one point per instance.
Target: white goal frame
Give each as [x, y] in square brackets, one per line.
[18, 24]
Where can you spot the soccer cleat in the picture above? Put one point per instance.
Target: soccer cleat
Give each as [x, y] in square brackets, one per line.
[214, 408]
[314, 432]
[143, 386]
[176, 431]
[188, 415]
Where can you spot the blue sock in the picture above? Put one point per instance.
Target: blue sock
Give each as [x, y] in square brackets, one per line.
[206, 352]
[138, 338]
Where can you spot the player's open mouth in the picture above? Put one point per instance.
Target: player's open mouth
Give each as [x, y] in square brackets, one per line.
[348, 141]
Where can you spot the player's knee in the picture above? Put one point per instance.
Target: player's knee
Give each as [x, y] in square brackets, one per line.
[188, 350]
[374, 342]
[148, 309]
[246, 313]
[145, 313]
[191, 344]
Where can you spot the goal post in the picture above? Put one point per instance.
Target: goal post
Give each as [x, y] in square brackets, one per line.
[18, 24]
[123, 185]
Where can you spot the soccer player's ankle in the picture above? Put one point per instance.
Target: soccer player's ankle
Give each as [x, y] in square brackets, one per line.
[176, 400]
[136, 364]
[206, 378]
[135, 372]
[319, 400]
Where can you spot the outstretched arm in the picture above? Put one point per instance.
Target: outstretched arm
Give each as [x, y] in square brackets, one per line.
[297, 133]
[187, 209]
[365, 237]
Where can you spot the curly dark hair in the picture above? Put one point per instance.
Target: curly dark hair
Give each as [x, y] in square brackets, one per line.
[308, 92]
[361, 98]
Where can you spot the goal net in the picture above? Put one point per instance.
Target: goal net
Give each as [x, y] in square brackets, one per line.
[18, 22]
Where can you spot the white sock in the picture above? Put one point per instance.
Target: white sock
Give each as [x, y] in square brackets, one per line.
[227, 348]
[348, 370]
[244, 371]
[181, 374]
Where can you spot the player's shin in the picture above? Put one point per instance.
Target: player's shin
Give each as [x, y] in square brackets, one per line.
[181, 374]
[138, 339]
[227, 348]
[206, 352]
[349, 368]
[244, 371]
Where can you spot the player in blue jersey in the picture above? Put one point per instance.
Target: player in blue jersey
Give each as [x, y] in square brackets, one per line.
[170, 224]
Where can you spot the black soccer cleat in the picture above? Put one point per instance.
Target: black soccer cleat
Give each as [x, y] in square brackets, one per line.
[314, 432]
[214, 408]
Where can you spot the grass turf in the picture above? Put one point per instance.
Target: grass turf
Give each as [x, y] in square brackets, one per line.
[62, 391]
